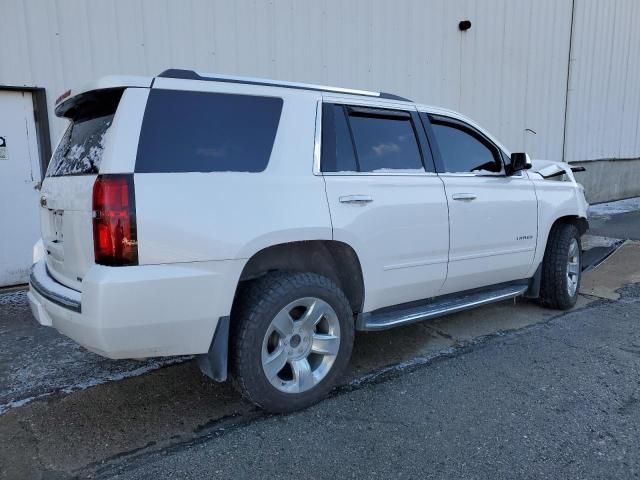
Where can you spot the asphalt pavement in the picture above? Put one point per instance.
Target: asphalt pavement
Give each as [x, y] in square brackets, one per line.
[554, 400]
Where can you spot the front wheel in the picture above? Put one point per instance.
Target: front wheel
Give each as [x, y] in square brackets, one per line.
[561, 268]
[292, 340]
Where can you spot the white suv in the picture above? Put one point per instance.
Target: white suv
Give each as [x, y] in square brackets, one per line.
[258, 224]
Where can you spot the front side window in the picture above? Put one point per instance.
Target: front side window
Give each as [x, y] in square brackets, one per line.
[187, 131]
[462, 151]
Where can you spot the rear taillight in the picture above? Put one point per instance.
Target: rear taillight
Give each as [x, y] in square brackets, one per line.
[115, 240]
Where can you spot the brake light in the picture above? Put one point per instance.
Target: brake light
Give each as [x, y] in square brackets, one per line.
[115, 240]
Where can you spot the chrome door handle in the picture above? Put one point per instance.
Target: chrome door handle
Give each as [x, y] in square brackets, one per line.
[465, 197]
[356, 199]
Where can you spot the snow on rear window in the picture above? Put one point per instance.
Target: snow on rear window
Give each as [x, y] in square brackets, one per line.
[81, 148]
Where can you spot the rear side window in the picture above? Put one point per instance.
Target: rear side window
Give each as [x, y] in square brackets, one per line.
[82, 145]
[361, 139]
[186, 131]
[385, 143]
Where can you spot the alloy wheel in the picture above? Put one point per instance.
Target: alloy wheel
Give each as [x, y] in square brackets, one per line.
[301, 345]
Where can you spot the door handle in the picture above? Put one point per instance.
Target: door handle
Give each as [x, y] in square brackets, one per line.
[465, 197]
[356, 199]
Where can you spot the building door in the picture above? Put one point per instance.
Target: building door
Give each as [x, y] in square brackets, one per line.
[19, 175]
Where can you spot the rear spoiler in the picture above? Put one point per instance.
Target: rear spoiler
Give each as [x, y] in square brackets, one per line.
[70, 98]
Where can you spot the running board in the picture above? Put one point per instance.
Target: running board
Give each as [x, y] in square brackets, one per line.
[390, 317]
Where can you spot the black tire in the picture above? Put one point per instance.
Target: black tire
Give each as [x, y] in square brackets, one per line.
[554, 287]
[255, 307]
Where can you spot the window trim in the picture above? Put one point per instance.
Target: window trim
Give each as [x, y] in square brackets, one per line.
[424, 143]
[345, 111]
[434, 118]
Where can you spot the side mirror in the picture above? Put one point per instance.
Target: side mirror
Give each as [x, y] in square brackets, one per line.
[519, 161]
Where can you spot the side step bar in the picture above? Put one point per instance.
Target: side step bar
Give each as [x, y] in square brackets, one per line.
[404, 314]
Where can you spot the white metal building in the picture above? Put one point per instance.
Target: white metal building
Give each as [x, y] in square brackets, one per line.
[556, 78]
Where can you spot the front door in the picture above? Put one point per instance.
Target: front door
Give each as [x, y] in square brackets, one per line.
[19, 175]
[493, 217]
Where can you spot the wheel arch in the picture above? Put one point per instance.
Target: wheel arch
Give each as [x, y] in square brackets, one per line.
[330, 258]
[581, 223]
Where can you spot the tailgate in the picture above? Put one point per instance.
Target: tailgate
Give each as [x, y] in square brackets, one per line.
[66, 194]
[66, 224]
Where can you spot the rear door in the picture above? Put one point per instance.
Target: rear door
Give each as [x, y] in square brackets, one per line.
[493, 217]
[66, 194]
[385, 199]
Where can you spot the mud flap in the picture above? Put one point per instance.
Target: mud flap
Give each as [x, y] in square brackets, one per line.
[214, 363]
[534, 284]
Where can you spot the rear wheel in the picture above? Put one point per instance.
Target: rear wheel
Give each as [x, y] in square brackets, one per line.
[561, 268]
[292, 339]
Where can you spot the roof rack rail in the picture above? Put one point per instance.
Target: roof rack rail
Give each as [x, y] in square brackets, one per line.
[193, 75]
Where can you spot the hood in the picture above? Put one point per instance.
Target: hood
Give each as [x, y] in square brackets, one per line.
[550, 169]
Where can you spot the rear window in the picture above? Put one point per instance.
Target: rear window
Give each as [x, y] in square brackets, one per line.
[186, 131]
[82, 145]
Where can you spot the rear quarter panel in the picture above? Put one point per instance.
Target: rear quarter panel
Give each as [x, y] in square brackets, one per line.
[189, 217]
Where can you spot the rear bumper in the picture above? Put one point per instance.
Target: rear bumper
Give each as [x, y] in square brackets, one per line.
[42, 282]
[142, 311]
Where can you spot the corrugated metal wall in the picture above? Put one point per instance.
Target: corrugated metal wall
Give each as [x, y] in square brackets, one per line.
[603, 115]
[508, 72]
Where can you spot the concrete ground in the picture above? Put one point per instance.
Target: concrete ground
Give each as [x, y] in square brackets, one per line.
[65, 412]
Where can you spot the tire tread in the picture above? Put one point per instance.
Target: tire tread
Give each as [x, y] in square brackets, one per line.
[553, 288]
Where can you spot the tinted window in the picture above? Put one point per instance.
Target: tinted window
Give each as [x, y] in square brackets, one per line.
[207, 132]
[463, 152]
[385, 143]
[80, 150]
[82, 145]
[337, 149]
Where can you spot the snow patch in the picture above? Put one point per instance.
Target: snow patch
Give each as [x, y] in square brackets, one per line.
[98, 379]
[13, 298]
[614, 208]
[81, 147]
[398, 170]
